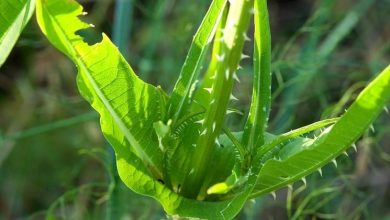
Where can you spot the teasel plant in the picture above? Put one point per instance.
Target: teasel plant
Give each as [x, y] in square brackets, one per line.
[177, 148]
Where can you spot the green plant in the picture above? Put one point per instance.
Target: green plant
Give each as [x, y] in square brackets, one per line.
[15, 16]
[176, 148]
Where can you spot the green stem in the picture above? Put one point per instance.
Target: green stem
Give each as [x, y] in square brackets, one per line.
[181, 93]
[237, 23]
[254, 131]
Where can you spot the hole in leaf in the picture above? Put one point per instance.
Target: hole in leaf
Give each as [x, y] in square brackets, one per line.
[90, 35]
[161, 181]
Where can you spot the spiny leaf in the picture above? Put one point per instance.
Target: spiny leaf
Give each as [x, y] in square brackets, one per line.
[356, 120]
[189, 72]
[125, 103]
[202, 97]
[256, 124]
[279, 146]
[232, 45]
[128, 108]
[293, 134]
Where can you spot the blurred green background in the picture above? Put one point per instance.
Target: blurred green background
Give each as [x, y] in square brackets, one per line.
[54, 161]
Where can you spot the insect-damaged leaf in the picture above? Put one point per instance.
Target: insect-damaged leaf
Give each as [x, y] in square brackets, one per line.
[128, 108]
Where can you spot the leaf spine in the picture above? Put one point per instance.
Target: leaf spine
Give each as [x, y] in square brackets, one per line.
[229, 112]
[209, 90]
[320, 171]
[354, 147]
[246, 38]
[236, 77]
[252, 11]
[232, 97]
[220, 58]
[193, 87]
[200, 121]
[244, 56]
[304, 181]
[334, 162]
[273, 195]
[372, 128]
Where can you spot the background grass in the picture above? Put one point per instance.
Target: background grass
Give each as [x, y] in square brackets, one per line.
[54, 161]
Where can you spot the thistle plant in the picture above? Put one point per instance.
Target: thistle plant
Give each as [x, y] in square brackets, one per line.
[177, 148]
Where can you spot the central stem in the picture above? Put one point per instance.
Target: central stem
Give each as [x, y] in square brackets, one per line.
[233, 39]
